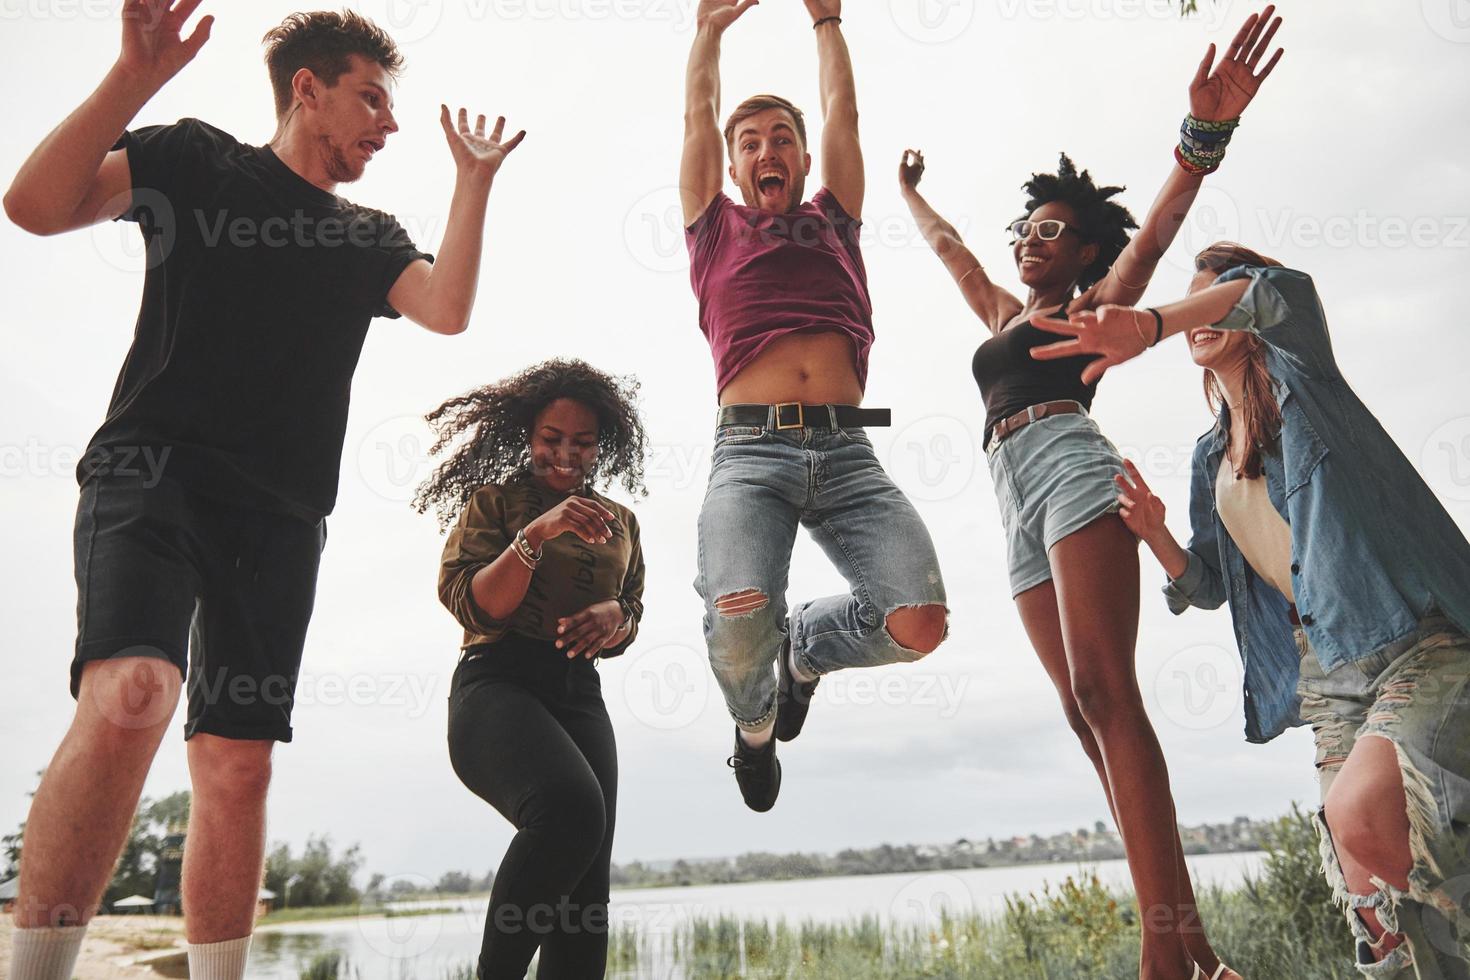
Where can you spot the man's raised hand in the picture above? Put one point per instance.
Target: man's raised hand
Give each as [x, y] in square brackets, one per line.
[823, 8]
[720, 14]
[153, 46]
[476, 154]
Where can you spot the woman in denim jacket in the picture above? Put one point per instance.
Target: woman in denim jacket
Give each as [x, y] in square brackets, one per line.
[1349, 588]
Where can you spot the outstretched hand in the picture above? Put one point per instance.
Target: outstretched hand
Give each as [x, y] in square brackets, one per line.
[1112, 334]
[720, 14]
[1223, 92]
[153, 46]
[910, 168]
[474, 152]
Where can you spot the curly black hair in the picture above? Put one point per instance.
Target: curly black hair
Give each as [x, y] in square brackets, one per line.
[1105, 223]
[498, 420]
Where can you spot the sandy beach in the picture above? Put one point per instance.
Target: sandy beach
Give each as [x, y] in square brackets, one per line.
[112, 945]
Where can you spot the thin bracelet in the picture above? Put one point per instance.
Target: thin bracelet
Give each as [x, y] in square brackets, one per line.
[1124, 282]
[1138, 331]
[961, 280]
[1159, 319]
[523, 559]
[825, 20]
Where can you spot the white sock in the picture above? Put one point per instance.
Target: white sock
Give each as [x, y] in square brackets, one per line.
[757, 740]
[219, 961]
[45, 953]
[796, 670]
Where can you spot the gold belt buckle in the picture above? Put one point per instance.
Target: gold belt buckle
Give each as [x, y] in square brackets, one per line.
[800, 419]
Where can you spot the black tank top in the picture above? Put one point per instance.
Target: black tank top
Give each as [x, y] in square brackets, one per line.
[1011, 380]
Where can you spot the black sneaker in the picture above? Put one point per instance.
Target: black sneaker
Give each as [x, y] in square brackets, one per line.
[793, 697]
[758, 772]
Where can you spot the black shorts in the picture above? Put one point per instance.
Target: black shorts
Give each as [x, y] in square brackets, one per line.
[222, 592]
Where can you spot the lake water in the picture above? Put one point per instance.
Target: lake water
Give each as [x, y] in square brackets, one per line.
[428, 947]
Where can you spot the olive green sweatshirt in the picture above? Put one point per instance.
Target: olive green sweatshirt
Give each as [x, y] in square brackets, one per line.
[571, 576]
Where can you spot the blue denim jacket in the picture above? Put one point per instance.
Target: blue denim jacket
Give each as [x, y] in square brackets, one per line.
[1373, 550]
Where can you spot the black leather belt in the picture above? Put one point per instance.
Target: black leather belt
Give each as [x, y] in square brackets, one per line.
[795, 415]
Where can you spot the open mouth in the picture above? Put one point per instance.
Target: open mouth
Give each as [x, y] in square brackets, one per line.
[1203, 336]
[1030, 261]
[370, 147]
[771, 185]
[567, 471]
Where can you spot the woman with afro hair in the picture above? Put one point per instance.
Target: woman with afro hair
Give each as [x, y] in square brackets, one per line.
[1073, 562]
[545, 574]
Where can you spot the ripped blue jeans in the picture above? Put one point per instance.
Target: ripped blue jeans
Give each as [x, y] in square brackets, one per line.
[764, 482]
[1418, 698]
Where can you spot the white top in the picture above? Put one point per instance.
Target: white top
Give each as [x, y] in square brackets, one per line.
[1258, 530]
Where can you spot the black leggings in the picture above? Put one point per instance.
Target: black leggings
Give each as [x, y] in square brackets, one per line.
[529, 734]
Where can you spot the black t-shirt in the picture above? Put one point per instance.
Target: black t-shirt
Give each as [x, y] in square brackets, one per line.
[1011, 380]
[256, 302]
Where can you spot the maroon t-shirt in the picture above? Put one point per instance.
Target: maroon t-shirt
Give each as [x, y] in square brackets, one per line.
[759, 276]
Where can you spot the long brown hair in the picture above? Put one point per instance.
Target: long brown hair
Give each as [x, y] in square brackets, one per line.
[1261, 416]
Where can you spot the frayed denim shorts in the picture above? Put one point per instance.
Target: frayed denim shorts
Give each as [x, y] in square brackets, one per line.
[1052, 477]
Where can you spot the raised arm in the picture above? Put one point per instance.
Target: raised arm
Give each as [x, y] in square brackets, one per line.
[71, 180]
[842, 155]
[1217, 97]
[702, 166]
[992, 304]
[441, 296]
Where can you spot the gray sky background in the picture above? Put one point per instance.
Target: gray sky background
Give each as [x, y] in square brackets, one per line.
[1350, 166]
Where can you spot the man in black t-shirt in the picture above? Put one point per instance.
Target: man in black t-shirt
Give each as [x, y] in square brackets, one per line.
[205, 491]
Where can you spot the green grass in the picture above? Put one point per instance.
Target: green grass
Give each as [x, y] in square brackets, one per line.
[1279, 925]
[314, 913]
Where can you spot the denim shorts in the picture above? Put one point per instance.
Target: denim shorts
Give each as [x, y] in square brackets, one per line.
[1052, 477]
[222, 592]
[1417, 696]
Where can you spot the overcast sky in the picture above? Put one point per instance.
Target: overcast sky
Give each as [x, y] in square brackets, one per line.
[1350, 166]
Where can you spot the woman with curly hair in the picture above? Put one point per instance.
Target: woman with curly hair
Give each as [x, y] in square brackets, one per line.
[546, 576]
[1073, 563]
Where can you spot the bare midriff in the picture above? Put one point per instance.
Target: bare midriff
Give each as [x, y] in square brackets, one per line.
[813, 368]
